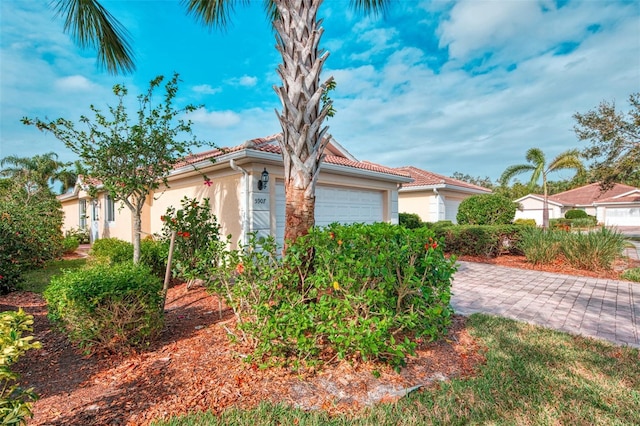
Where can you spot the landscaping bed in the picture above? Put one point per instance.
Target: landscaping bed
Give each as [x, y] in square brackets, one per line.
[193, 366]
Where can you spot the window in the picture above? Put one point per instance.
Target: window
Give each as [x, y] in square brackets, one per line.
[109, 209]
[82, 214]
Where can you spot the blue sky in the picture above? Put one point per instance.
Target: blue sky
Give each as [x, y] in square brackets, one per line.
[463, 86]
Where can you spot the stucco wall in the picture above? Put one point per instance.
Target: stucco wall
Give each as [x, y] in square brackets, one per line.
[531, 208]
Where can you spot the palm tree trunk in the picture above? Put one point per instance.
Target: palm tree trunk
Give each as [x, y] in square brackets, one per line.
[545, 204]
[303, 137]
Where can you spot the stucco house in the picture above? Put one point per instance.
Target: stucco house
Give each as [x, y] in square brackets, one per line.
[246, 192]
[618, 206]
[434, 197]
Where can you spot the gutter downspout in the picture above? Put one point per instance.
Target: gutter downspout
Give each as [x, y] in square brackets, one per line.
[435, 191]
[245, 213]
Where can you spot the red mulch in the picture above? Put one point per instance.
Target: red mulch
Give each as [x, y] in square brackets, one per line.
[193, 366]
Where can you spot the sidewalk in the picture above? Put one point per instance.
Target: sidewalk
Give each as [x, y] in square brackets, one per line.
[593, 307]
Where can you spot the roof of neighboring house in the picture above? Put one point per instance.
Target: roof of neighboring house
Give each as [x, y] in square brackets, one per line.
[427, 180]
[589, 194]
[333, 154]
[630, 197]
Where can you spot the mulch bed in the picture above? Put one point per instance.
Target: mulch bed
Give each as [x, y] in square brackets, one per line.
[193, 366]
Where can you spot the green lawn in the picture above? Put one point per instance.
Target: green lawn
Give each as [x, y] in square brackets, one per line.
[38, 279]
[533, 376]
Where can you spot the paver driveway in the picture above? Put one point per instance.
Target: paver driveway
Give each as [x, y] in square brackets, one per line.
[594, 307]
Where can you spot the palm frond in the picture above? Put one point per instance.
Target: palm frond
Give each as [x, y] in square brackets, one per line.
[512, 171]
[536, 157]
[91, 25]
[213, 13]
[374, 7]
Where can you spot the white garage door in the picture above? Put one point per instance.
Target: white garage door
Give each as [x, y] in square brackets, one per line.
[622, 216]
[335, 204]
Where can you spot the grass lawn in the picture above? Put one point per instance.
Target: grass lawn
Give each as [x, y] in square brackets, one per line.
[37, 280]
[533, 376]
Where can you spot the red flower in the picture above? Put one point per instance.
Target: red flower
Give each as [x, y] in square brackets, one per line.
[332, 235]
[207, 181]
[240, 268]
[434, 246]
[186, 234]
[163, 218]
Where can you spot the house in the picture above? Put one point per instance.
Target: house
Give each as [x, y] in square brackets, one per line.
[244, 201]
[434, 197]
[618, 206]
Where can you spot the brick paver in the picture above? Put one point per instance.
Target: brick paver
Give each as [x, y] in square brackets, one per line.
[594, 307]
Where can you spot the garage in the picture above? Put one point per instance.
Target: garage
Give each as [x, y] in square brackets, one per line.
[622, 216]
[336, 204]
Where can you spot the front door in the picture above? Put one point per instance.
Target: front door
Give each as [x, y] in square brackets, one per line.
[95, 220]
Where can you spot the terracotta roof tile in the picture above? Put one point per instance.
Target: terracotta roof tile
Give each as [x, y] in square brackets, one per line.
[588, 194]
[270, 144]
[426, 178]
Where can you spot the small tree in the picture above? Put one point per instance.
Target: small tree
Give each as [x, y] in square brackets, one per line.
[538, 167]
[614, 142]
[130, 159]
[486, 209]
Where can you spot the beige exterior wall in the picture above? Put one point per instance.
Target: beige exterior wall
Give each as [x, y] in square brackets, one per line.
[224, 197]
[71, 212]
[531, 208]
[422, 203]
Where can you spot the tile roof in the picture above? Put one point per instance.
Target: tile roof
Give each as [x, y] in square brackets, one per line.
[426, 178]
[588, 194]
[632, 197]
[270, 144]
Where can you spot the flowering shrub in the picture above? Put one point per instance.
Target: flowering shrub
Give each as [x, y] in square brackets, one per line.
[196, 229]
[15, 402]
[370, 293]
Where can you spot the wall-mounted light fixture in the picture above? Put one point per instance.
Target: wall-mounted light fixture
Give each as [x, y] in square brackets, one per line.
[264, 180]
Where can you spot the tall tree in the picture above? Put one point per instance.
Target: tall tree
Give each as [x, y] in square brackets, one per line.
[614, 142]
[129, 157]
[485, 182]
[36, 172]
[298, 33]
[538, 167]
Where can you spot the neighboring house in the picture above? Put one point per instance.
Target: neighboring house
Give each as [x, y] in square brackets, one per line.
[347, 191]
[618, 206]
[434, 197]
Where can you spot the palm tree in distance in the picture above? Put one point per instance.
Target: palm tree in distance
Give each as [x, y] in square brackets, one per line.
[538, 167]
[298, 33]
[37, 172]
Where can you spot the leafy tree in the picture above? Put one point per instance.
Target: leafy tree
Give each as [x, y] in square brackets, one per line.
[36, 172]
[30, 229]
[485, 182]
[539, 168]
[614, 142]
[129, 158]
[304, 101]
[486, 209]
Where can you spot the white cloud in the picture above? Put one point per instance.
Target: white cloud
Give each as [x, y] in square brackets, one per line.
[206, 89]
[215, 118]
[74, 83]
[245, 81]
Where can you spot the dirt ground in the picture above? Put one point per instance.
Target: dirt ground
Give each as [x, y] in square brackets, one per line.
[193, 366]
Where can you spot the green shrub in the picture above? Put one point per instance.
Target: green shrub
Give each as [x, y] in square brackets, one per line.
[197, 228]
[81, 234]
[410, 220]
[486, 209]
[30, 231]
[575, 214]
[481, 240]
[585, 222]
[15, 402]
[540, 246]
[356, 300]
[107, 307]
[70, 245]
[560, 223]
[117, 251]
[592, 250]
[631, 275]
[154, 254]
[525, 222]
